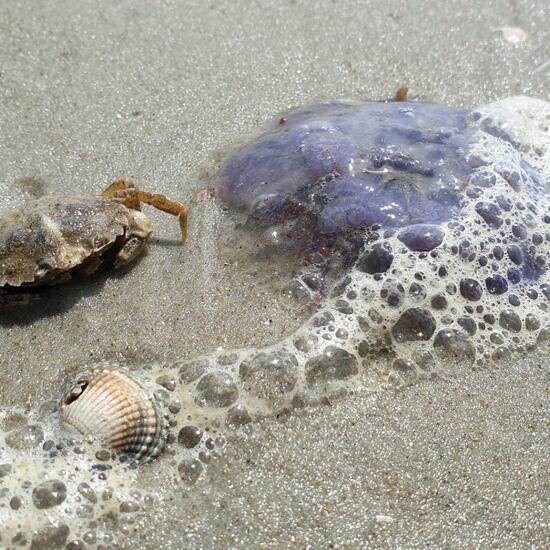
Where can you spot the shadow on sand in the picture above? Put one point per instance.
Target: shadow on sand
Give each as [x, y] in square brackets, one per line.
[25, 308]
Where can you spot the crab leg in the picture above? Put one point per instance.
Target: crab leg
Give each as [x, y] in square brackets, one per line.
[117, 189]
[132, 197]
[164, 204]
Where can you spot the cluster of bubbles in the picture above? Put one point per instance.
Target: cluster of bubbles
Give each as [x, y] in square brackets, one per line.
[444, 291]
[447, 212]
[59, 488]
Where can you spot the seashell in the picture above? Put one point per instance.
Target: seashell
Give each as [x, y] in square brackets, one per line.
[116, 409]
[514, 35]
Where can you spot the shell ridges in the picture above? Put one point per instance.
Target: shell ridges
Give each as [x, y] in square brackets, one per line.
[111, 406]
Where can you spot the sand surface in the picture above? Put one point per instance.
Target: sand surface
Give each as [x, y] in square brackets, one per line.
[160, 91]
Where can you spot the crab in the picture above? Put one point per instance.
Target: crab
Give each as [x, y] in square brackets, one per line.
[51, 239]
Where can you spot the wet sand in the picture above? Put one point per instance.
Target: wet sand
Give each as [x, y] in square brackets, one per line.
[461, 463]
[91, 92]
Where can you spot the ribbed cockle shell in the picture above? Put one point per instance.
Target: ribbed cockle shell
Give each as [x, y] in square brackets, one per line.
[116, 409]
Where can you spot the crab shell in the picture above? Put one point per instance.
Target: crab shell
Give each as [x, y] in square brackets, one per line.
[116, 409]
[43, 242]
